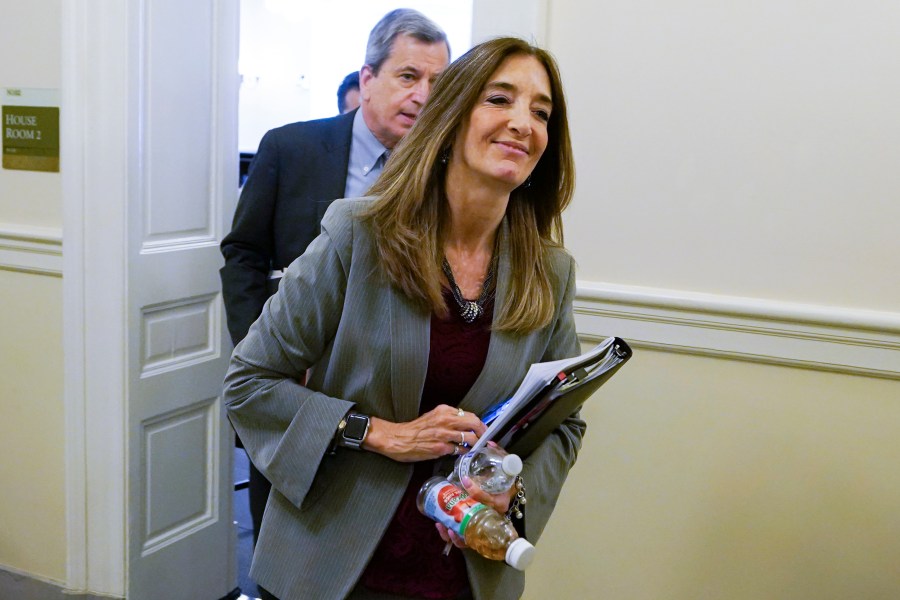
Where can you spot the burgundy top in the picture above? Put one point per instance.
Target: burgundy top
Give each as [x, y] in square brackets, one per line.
[410, 559]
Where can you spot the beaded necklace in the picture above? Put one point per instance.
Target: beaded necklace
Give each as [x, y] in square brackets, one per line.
[470, 310]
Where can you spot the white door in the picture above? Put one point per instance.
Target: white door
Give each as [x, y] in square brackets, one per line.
[180, 534]
[150, 183]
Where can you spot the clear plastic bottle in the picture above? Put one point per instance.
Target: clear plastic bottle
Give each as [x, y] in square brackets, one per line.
[483, 528]
[489, 467]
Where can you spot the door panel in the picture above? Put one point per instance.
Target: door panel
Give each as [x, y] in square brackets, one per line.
[180, 532]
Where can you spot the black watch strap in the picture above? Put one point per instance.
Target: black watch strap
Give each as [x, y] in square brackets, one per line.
[338, 434]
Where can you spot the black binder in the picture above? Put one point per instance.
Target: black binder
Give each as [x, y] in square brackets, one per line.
[567, 392]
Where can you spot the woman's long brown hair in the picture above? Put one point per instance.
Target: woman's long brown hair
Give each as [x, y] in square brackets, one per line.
[410, 214]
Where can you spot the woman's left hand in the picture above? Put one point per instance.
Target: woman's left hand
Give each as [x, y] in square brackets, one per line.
[499, 502]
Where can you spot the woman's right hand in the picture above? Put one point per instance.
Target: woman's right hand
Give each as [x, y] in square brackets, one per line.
[437, 433]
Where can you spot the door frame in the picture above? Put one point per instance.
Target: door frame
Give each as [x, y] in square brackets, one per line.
[93, 170]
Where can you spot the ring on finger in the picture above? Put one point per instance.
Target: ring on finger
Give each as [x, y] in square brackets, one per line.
[462, 438]
[460, 412]
[455, 450]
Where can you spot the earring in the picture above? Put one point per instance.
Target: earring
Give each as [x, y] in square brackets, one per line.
[445, 155]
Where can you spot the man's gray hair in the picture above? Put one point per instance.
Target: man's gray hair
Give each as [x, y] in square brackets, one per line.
[399, 22]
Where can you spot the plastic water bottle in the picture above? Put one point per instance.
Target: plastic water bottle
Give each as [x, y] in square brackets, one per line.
[490, 468]
[483, 528]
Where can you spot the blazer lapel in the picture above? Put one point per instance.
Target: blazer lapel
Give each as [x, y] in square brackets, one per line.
[410, 331]
[331, 179]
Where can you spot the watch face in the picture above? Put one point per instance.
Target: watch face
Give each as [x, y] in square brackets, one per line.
[356, 427]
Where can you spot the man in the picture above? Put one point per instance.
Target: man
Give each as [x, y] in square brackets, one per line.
[348, 93]
[302, 167]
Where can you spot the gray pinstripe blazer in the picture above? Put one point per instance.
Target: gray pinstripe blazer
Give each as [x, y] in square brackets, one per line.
[365, 344]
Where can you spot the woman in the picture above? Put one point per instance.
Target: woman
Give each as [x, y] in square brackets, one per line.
[412, 313]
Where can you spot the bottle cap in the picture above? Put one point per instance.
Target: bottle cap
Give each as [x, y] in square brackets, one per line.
[512, 464]
[519, 554]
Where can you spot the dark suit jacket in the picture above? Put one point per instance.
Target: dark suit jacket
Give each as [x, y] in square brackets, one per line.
[365, 344]
[299, 169]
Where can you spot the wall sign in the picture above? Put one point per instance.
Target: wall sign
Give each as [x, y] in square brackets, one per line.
[30, 122]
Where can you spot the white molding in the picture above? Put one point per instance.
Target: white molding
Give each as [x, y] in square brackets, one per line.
[31, 249]
[73, 26]
[97, 49]
[828, 338]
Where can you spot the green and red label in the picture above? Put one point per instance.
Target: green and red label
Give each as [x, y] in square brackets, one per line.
[451, 507]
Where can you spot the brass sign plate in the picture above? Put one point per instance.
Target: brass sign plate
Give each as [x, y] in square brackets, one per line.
[30, 123]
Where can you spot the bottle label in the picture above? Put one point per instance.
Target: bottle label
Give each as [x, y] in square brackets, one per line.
[451, 507]
[463, 463]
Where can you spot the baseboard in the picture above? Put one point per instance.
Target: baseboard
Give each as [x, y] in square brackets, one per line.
[31, 249]
[825, 338]
[16, 585]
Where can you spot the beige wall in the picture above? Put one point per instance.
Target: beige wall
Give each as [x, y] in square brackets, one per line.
[744, 148]
[708, 478]
[32, 505]
[741, 150]
[32, 476]
[29, 58]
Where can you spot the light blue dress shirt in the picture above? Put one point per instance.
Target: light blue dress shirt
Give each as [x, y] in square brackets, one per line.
[365, 159]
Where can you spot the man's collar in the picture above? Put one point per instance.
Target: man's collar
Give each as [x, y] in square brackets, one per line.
[365, 142]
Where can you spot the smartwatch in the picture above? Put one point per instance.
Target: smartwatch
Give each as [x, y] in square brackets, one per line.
[355, 431]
